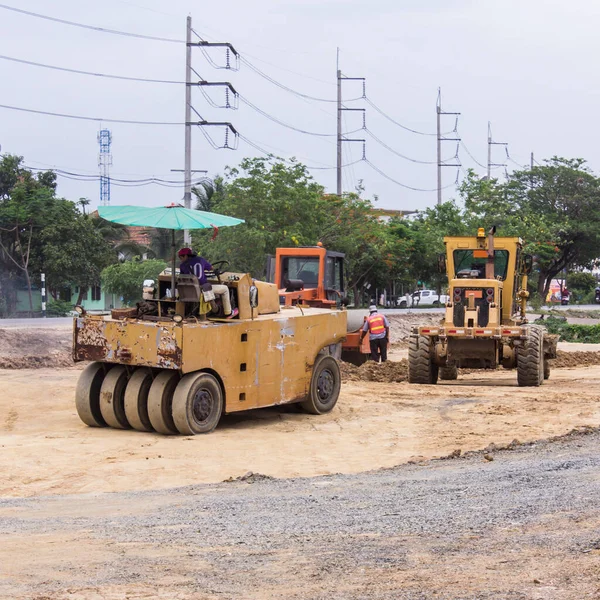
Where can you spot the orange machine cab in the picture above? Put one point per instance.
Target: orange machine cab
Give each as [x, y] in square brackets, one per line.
[308, 275]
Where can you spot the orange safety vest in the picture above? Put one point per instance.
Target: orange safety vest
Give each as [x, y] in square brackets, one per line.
[376, 324]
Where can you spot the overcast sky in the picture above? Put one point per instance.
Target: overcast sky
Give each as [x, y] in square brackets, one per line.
[529, 67]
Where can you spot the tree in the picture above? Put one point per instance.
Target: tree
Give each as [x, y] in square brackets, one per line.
[74, 252]
[281, 206]
[284, 207]
[560, 215]
[126, 279]
[26, 205]
[40, 232]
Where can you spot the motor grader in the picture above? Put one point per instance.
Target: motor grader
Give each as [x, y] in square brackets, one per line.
[485, 323]
[171, 366]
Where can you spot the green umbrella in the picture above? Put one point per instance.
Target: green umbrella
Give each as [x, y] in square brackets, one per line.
[174, 217]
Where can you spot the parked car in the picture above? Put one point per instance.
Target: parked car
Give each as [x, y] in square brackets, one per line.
[422, 298]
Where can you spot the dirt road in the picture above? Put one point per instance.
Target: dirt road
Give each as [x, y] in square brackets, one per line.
[522, 526]
[47, 450]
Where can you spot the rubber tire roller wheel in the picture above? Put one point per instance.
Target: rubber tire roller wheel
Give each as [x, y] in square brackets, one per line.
[449, 373]
[530, 359]
[136, 399]
[421, 368]
[87, 394]
[112, 398]
[197, 404]
[325, 384]
[160, 402]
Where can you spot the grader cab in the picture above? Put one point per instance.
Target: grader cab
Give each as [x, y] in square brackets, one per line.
[485, 323]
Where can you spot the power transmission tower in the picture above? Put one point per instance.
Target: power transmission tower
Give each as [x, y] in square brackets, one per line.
[440, 139]
[491, 143]
[340, 108]
[187, 178]
[104, 162]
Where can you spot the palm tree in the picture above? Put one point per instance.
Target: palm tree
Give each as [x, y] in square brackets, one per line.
[207, 193]
[83, 202]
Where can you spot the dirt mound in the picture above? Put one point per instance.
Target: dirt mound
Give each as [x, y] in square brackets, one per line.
[564, 360]
[35, 348]
[387, 372]
[401, 325]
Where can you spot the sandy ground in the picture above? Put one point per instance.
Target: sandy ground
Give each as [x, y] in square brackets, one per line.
[47, 450]
[523, 526]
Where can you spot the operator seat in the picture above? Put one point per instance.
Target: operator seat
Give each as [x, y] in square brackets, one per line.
[308, 277]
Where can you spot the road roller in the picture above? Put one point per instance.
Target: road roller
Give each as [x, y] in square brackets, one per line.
[174, 364]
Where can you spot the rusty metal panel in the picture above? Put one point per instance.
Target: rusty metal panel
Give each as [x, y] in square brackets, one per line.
[136, 342]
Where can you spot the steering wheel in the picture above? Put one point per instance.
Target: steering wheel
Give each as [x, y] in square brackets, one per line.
[220, 267]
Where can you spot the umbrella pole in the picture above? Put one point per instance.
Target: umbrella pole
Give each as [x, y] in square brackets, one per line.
[173, 264]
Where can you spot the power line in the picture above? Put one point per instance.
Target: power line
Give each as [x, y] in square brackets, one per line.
[115, 180]
[84, 118]
[270, 154]
[80, 72]
[286, 88]
[92, 27]
[408, 187]
[414, 160]
[373, 105]
[472, 157]
[283, 123]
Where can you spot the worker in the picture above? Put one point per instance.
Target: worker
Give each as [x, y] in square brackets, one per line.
[379, 334]
[192, 264]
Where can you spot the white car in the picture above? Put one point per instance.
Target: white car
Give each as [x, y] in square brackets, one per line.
[422, 298]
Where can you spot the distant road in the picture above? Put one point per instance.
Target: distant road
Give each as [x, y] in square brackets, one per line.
[37, 323]
[68, 321]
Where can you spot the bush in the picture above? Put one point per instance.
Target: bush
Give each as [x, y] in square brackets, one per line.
[126, 279]
[586, 334]
[58, 308]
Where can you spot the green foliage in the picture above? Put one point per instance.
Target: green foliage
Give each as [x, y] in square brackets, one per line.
[586, 334]
[58, 308]
[555, 208]
[580, 282]
[74, 252]
[126, 279]
[42, 233]
[283, 207]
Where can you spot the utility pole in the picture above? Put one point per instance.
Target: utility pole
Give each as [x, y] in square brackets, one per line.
[187, 176]
[340, 108]
[531, 162]
[491, 143]
[187, 170]
[440, 139]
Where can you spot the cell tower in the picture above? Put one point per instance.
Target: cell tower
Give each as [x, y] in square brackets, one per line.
[104, 162]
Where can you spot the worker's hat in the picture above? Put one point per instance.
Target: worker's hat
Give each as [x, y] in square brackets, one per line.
[372, 308]
[185, 252]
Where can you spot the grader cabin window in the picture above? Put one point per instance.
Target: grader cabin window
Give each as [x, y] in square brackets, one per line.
[468, 265]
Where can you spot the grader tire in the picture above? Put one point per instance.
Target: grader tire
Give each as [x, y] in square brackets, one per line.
[136, 399]
[449, 373]
[112, 398]
[530, 359]
[87, 394]
[197, 404]
[325, 385]
[421, 368]
[160, 402]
